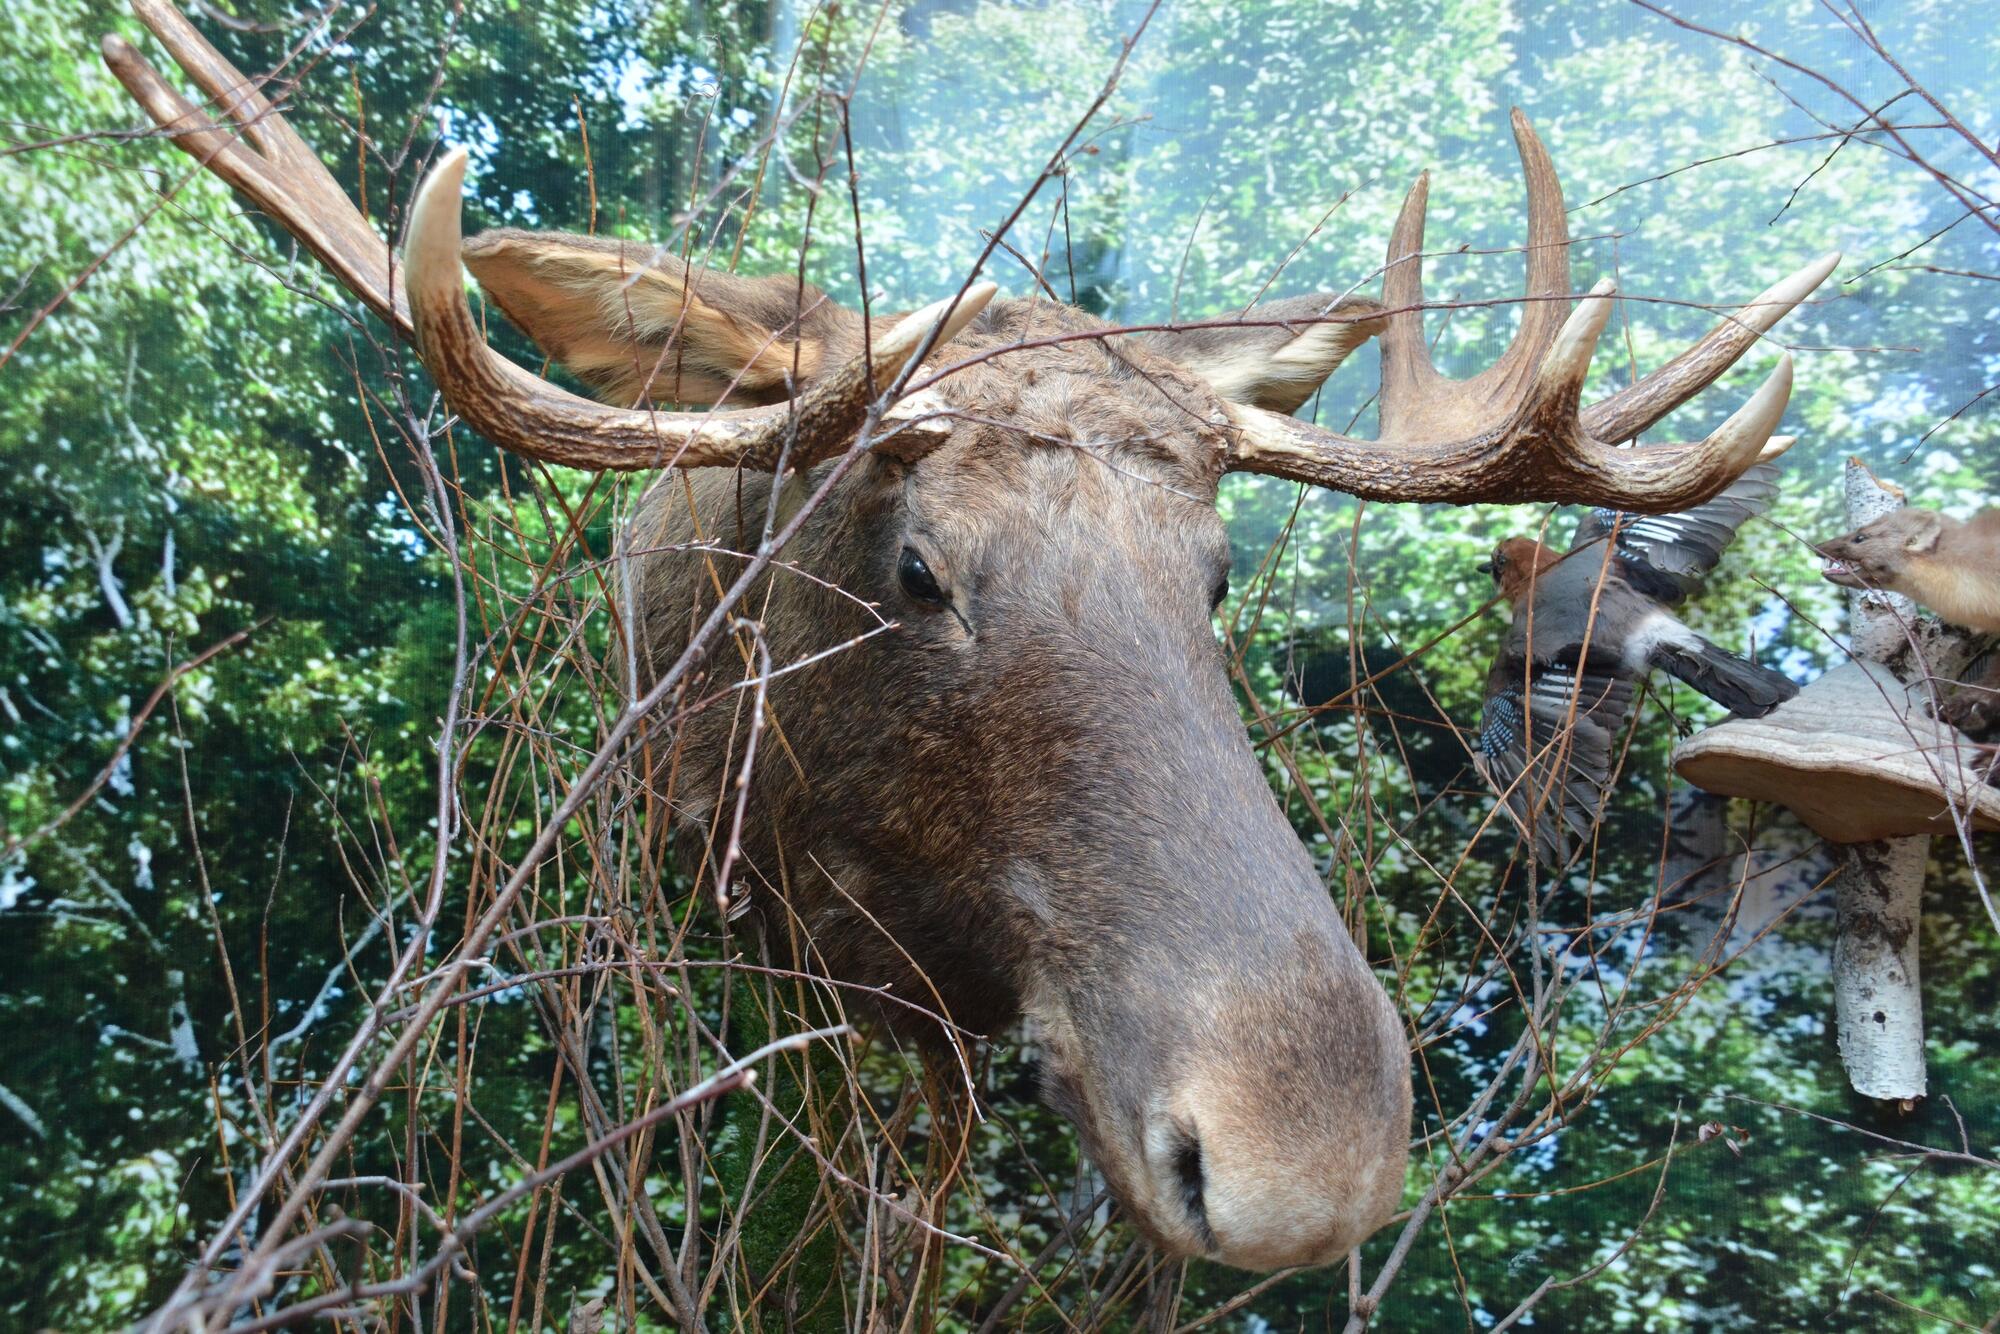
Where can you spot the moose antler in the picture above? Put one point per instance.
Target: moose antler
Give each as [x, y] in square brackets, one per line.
[1516, 430]
[263, 158]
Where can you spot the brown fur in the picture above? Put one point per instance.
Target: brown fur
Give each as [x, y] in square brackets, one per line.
[1041, 798]
[1948, 565]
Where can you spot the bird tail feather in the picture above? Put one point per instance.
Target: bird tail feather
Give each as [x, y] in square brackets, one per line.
[1741, 686]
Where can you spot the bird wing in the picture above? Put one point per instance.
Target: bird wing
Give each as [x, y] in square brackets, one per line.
[1546, 744]
[1665, 555]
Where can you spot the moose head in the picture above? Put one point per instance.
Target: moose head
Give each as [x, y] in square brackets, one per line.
[1031, 793]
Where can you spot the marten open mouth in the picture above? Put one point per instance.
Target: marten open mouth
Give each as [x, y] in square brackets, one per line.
[1833, 567]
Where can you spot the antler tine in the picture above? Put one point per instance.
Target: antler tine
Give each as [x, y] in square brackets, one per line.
[190, 129]
[532, 417]
[1548, 263]
[1407, 371]
[238, 96]
[1557, 387]
[1631, 410]
[261, 156]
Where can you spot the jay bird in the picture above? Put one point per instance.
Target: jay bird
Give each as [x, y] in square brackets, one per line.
[1589, 625]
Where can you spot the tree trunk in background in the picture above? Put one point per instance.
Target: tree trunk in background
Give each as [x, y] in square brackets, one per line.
[1697, 861]
[1878, 895]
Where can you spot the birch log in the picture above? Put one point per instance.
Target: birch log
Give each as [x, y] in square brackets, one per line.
[1878, 893]
[1877, 979]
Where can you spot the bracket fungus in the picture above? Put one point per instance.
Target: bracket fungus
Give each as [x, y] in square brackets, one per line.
[1856, 756]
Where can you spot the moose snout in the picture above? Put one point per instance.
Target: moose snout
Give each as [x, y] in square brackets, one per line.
[1271, 1130]
[1270, 1166]
[1251, 1202]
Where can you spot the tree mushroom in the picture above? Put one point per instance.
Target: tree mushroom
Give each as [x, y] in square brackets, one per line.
[1856, 756]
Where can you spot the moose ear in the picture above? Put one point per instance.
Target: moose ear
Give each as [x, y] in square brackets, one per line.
[1279, 353]
[637, 324]
[1925, 528]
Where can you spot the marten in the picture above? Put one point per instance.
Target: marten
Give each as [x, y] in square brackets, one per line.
[1947, 565]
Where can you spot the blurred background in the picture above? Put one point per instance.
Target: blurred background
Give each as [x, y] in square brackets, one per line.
[189, 454]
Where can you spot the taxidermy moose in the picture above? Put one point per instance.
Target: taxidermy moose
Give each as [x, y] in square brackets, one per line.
[1035, 795]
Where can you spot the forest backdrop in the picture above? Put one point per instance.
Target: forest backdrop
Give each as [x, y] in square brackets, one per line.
[190, 457]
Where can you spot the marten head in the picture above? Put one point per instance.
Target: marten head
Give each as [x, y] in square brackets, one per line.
[1873, 555]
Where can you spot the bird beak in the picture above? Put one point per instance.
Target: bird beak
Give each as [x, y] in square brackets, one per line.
[1484, 567]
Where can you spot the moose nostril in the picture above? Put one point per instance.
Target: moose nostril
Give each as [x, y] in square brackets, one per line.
[1187, 1168]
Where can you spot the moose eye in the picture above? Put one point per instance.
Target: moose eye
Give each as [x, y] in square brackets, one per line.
[917, 579]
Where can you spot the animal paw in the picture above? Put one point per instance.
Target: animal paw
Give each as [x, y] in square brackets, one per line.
[1973, 712]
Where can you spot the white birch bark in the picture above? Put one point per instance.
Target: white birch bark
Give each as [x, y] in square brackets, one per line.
[1877, 978]
[1878, 894]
